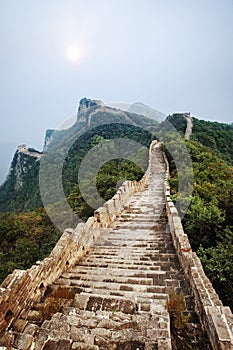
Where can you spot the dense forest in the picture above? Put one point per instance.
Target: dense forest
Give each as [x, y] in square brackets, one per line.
[209, 219]
[28, 235]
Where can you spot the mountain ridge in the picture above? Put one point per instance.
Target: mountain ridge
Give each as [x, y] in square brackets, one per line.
[92, 115]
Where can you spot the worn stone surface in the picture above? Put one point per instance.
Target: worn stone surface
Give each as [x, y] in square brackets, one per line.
[122, 266]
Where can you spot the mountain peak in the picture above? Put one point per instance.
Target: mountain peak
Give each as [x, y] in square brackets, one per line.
[87, 103]
[24, 149]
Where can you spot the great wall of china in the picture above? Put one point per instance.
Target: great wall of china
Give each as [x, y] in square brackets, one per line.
[110, 279]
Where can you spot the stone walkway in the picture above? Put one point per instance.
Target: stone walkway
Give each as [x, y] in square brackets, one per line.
[115, 297]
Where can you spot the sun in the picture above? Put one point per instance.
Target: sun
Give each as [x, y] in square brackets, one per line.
[73, 54]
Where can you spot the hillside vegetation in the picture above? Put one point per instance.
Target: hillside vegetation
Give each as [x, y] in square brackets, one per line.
[216, 136]
[209, 220]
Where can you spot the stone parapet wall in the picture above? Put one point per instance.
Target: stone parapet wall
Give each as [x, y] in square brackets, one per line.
[216, 318]
[23, 288]
[20, 290]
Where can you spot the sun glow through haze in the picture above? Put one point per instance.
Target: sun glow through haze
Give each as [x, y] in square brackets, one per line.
[73, 53]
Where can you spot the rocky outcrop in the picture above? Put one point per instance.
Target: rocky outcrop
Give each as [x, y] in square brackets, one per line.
[87, 105]
[48, 138]
[23, 161]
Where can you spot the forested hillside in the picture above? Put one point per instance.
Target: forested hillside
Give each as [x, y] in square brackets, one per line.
[209, 219]
[214, 135]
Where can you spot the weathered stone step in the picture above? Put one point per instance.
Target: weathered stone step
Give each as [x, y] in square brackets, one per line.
[126, 216]
[126, 258]
[140, 226]
[137, 251]
[109, 279]
[161, 278]
[135, 235]
[94, 331]
[142, 256]
[118, 243]
[116, 271]
[125, 294]
[163, 287]
[123, 267]
[163, 266]
[157, 242]
[155, 273]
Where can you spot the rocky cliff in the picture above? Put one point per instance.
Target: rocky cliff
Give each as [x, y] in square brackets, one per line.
[21, 184]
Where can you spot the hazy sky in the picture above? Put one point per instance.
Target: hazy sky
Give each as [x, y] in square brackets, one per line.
[173, 55]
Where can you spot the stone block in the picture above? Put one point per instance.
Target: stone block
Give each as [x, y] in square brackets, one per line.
[80, 301]
[81, 346]
[19, 325]
[89, 323]
[73, 320]
[108, 324]
[51, 345]
[89, 339]
[77, 334]
[164, 344]
[6, 339]
[31, 329]
[34, 315]
[23, 341]
[64, 345]
[102, 332]
[41, 339]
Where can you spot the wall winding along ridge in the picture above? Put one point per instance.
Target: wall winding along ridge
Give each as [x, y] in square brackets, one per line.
[22, 289]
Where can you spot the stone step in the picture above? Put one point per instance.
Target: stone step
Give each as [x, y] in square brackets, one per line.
[131, 271]
[140, 226]
[163, 287]
[163, 266]
[137, 249]
[142, 279]
[129, 294]
[121, 331]
[147, 259]
[118, 243]
[159, 243]
[156, 273]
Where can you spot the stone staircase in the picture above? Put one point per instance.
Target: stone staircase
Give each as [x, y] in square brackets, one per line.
[115, 297]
